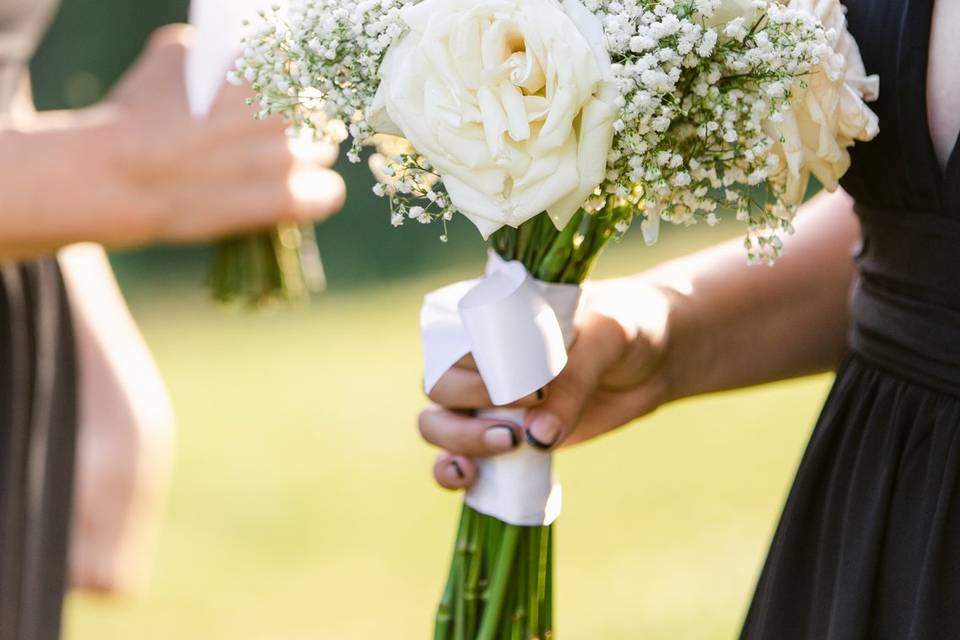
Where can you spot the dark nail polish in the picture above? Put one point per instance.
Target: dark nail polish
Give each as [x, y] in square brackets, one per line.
[540, 393]
[532, 439]
[509, 429]
[458, 469]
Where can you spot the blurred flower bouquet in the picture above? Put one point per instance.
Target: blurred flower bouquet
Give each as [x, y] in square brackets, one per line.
[551, 126]
[282, 263]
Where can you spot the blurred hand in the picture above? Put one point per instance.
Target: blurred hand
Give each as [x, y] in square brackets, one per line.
[125, 434]
[613, 375]
[204, 179]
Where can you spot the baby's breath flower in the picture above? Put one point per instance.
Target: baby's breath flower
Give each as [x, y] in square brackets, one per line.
[697, 93]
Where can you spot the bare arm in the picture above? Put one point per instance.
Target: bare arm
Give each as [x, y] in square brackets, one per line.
[733, 325]
[125, 440]
[702, 323]
[139, 169]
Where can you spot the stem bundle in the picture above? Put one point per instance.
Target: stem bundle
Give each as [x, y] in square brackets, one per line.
[500, 582]
[500, 585]
[281, 264]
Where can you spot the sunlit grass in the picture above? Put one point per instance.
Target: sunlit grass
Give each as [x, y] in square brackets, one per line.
[303, 508]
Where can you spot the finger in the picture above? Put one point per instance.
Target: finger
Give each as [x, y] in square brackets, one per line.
[468, 436]
[454, 472]
[461, 388]
[173, 39]
[597, 348]
[313, 152]
[318, 192]
[160, 64]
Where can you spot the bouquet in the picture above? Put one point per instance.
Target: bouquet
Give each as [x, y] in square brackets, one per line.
[282, 263]
[552, 125]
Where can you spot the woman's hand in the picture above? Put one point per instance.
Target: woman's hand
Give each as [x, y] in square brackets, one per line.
[701, 323]
[227, 173]
[614, 374]
[138, 168]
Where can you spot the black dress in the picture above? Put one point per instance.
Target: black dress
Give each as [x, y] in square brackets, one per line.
[37, 399]
[868, 547]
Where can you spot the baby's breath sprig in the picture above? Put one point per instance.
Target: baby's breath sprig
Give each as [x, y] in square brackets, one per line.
[695, 99]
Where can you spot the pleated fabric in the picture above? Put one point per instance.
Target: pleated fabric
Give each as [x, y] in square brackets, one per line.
[869, 543]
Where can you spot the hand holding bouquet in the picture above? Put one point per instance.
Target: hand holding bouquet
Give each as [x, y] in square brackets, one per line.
[282, 263]
[551, 125]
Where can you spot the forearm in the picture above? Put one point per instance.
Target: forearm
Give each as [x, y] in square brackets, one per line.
[125, 435]
[63, 182]
[733, 325]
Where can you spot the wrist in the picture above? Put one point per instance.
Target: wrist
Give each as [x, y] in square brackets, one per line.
[685, 360]
[96, 199]
[131, 210]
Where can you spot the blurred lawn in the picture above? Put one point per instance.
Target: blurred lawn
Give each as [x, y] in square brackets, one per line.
[303, 508]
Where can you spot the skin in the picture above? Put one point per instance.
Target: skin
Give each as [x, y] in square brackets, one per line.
[702, 323]
[138, 168]
[132, 170]
[125, 433]
[943, 90]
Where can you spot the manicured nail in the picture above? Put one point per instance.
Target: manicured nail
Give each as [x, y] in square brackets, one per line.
[540, 393]
[543, 432]
[500, 437]
[457, 469]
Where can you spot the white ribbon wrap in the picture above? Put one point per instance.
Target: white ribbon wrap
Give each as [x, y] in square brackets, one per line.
[518, 330]
[219, 29]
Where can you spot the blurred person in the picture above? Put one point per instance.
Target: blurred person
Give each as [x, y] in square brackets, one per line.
[132, 170]
[868, 545]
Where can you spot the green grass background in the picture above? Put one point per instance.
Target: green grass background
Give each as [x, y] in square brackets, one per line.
[303, 508]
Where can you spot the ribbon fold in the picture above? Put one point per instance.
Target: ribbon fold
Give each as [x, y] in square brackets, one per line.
[518, 330]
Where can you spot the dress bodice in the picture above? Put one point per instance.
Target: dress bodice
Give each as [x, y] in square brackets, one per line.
[899, 169]
[905, 307]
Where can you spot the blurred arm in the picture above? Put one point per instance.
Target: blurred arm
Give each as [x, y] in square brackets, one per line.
[60, 184]
[139, 168]
[733, 325]
[125, 433]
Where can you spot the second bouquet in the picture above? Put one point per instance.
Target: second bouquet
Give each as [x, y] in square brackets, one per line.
[552, 126]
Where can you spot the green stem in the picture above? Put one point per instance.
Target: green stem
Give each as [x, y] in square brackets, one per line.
[519, 603]
[283, 263]
[459, 615]
[548, 591]
[474, 546]
[498, 583]
[442, 628]
[534, 587]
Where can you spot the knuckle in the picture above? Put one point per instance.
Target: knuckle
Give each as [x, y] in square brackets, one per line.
[336, 193]
[171, 35]
[423, 425]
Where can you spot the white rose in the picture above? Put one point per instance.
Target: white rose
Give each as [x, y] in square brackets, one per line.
[510, 101]
[830, 113]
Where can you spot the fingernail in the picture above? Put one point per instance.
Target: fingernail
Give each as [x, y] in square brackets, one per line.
[500, 437]
[540, 393]
[457, 469]
[543, 432]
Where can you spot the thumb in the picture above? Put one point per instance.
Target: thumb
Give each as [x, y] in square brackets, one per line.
[599, 346]
[159, 65]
